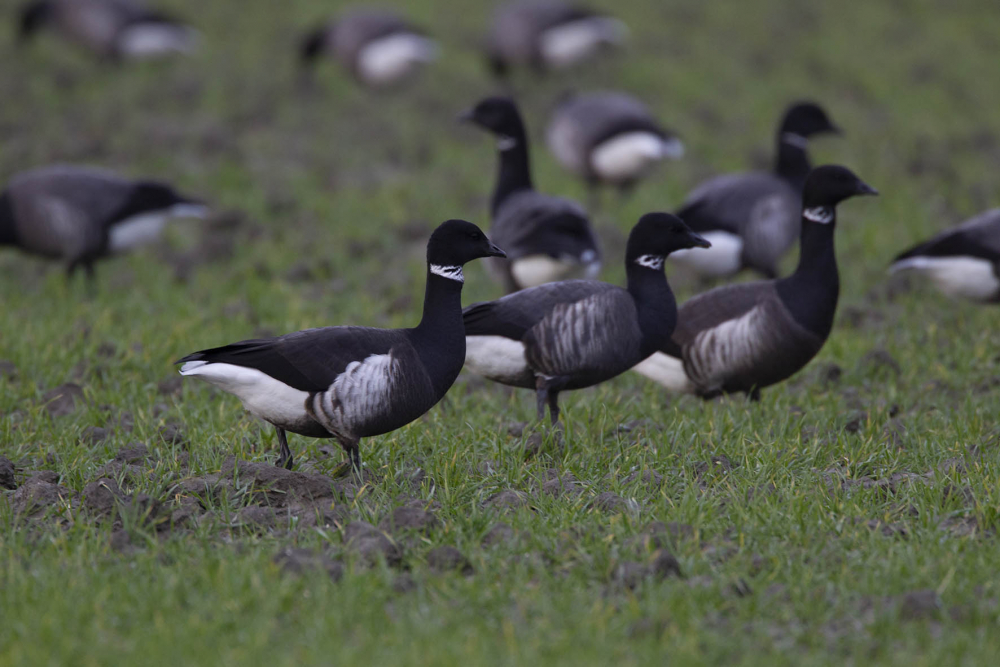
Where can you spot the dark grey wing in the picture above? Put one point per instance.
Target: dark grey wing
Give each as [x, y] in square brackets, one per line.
[978, 236]
[719, 305]
[531, 223]
[64, 211]
[596, 337]
[307, 360]
[727, 202]
[513, 315]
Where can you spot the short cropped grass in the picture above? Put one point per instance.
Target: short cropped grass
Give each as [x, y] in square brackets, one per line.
[850, 517]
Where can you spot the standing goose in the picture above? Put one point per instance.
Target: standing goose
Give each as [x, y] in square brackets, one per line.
[748, 336]
[547, 238]
[579, 333]
[547, 35]
[81, 214]
[752, 219]
[352, 382]
[114, 29]
[377, 46]
[961, 262]
[610, 138]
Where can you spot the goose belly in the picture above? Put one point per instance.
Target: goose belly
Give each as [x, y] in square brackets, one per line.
[499, 359]
[724, 258]
[628, 156]
[261, 395]
[149, 40]
[667, 371]
[391, 59]
[965, 277]
[571, 42]
[533, 270]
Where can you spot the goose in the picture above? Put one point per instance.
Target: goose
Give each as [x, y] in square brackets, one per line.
[349, 382]
[113, 29]
[579, 333]
[547, 238]
[752, 218]
[744, 337]
[609, 137]
[81, 214]
[546, 35]
[377, 46]
[961, 262]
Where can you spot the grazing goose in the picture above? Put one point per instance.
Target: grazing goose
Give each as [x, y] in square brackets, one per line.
[114, 29]
[963, 261]
[752, 219]
[351, 382]
[547, 35]
[546, 238]
[609, 137]
[80, 214]
[377, 46]
[748, 336]
[578, 333]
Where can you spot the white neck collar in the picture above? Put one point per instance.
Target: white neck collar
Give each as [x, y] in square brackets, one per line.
[794, 139]
[505, 142]
[654, 262]
[449, 272]
[821, 214]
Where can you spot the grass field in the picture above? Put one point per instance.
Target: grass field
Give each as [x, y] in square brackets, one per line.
[850, 517]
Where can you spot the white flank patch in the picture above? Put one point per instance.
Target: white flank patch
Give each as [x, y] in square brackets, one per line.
[148, 40]
[535, 270]
[654, 262]
[495, 357]
[965, 277]
[667, 371]
[261, 394]
[449, 272]
[724, 258]
[572, 42]
[137, 231]
[364, 390]
[389, 59]
[822, 214]
[628, 156]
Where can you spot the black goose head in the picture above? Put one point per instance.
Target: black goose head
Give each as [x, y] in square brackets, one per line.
[33, 16]
[826, 187]
[456, 242]
[498, 115]
[806, 119]
[656, 235]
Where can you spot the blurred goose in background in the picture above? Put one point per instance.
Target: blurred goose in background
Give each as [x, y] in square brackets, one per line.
[113, 29]
[81, 214]
[742, 338]
[752, 219]
[546, 35]
[579, 333]
[377, 46]
[353, 382]
[609, 138]
[546, 238]
[961, 262]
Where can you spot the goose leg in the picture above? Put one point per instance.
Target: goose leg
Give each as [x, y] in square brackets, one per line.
[353, 461]
[541, 397]
[554, 407]
[754, 395]
[285, 455]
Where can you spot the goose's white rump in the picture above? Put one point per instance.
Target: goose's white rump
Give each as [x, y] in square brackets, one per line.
[571, 42]
[667, 371]
[630, 155]
[958, 276]
[261, 394]
[495, 357]
[386, 60]
[724, 258]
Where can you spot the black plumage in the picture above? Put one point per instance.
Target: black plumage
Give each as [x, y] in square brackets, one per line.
[81, 214]
[753, 218]
[742, 338]
[113, 29]
[963, 261]
[578, 333]
[377, 46]
[610, 138]
[546, 238]
[545, 35]
[354, 382]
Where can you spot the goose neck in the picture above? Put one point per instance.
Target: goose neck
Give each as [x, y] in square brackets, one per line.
[655, 304]
[811, 292]
[793, 160]
[514, 167]
[8, 233]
